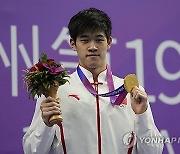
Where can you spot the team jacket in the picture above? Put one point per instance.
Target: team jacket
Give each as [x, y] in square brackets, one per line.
[92, 125]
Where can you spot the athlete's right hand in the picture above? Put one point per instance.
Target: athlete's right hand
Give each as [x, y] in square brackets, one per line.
[49, 107]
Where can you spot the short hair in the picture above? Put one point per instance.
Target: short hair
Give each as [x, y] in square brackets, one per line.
[90, 19]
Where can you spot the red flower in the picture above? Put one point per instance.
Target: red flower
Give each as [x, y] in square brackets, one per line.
[40, 66]
[51, 62]
[32, 69]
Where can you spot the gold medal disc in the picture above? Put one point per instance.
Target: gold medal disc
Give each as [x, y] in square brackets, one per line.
[130, 81]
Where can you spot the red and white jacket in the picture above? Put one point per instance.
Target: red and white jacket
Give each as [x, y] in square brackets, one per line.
[91, 125]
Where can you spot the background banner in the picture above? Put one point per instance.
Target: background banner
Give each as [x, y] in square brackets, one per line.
[146, 41]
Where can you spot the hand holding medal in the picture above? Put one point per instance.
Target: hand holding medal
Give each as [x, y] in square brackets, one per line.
[138, 97]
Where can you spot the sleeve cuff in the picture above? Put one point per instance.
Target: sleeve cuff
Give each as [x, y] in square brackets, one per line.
[43, 129]
[142, 122]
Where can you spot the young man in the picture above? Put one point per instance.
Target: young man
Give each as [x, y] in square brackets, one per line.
[91, 124]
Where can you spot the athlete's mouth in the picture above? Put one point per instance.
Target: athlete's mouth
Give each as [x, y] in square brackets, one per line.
[92, 55]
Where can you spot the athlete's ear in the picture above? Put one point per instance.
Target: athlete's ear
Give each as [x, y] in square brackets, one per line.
[109, 42]
[72, 44]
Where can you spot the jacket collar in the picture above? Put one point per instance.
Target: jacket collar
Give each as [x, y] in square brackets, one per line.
[102, 77]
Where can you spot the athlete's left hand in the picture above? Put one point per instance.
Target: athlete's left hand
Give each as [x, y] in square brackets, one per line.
[138, 100]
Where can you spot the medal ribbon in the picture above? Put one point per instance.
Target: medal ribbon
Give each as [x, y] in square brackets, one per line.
[112, 94]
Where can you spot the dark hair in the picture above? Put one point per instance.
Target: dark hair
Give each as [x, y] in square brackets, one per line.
[90, 19]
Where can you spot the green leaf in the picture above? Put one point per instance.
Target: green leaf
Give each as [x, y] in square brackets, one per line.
[43, 58]
[45, 84]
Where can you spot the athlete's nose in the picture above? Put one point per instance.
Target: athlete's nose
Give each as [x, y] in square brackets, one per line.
[92, 47]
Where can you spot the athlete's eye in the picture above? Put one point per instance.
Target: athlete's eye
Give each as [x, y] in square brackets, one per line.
[99, 40]
[84, 40]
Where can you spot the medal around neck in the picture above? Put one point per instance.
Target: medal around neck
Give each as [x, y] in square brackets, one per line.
[130, 81]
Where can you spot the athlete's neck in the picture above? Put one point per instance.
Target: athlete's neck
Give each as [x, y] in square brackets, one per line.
[95, 71]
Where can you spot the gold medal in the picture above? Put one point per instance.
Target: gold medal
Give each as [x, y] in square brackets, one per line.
[130, 81]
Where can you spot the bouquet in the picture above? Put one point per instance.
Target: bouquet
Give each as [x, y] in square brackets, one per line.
[45, 77]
